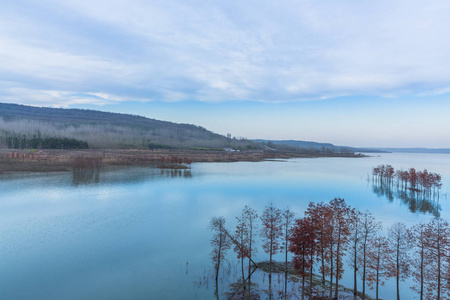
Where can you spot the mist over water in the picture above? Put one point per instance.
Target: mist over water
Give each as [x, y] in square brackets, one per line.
[141, 233]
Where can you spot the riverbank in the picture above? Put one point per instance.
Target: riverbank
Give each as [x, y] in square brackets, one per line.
[12, 160]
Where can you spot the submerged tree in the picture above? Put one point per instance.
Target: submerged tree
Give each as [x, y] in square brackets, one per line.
[242, 239]
[368, 231]
[436, 250]
[271, 233]
[341, 213]
[377, 256]
[303, 245]
[220, 243]
[419, 261]
[287, 219]
[320, 216]
[419, 189]
[250, 216]
[355, 228]
[399, 241]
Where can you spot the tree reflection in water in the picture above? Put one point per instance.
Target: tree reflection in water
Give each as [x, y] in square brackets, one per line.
[416, 201]
[417, 189]
[86, 176]
[173, 173]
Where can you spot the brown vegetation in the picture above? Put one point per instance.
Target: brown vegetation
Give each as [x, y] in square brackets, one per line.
[63, 160]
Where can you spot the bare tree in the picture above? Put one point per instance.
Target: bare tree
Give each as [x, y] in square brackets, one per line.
[288, 219]
[271, 233]
[419, 259]
[241, 248]
[377, 258]
[355, 228]
[436, 250]
[369, 230]
[220, 243]
[399, 241]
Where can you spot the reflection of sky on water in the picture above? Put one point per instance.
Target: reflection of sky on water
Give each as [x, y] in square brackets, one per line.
[130, 233]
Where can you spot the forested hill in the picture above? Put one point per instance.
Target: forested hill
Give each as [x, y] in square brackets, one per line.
[38, 127]
[323, 147]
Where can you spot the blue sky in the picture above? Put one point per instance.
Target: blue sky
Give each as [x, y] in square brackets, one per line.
[358, 73]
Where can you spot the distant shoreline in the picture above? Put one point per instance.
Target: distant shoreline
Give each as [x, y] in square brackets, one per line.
[13, 160]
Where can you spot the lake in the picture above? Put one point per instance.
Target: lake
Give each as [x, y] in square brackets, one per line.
[142, 233]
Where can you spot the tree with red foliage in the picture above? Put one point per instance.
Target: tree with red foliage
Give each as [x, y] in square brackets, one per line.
[377, 256]
[271, 233]
[420, 258]
[341, 215]
[369, 229]
[399, 241]
[413, 178]
[320, 215]
[437, 184]
[376, 172]
[390, 172]
[303, 242]
[355, 237]
[436, 250]
[220, 242]
[288, 219]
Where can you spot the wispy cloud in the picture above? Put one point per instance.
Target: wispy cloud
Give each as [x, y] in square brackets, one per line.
[64, 52]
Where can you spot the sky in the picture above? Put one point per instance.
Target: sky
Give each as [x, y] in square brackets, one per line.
[348, 72]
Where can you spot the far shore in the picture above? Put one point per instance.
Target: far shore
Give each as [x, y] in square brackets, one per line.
[14, 160]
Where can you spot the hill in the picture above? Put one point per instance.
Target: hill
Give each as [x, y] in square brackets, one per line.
[314, 146]
[41, 127]
[417, 150]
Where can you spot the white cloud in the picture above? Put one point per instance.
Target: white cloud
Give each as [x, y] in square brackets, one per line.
[224, 50]
[56, 98]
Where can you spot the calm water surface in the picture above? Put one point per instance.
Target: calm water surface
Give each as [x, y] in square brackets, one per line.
[140, 233]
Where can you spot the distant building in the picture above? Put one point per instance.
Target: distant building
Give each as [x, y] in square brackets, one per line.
[230, 150]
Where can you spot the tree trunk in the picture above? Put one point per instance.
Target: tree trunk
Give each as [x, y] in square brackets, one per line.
[355, 269]
[398, 268]
[286, 264]
[270, 268]
[378, 273]
[331, 272]
[242, 270]
[378, 269]
[303, 283]
[364, 267]
[323, 266]
[421, 270]
[336, 293]
[310, 277]
[439, 269]
[218, 260]
[250, 258]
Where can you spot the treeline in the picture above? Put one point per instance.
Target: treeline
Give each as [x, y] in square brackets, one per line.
[306, 147]
[22, 141]
[330, 233]
[424, 182]
[111, 136]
